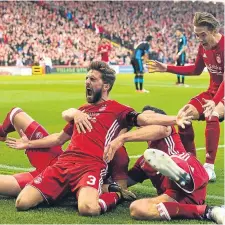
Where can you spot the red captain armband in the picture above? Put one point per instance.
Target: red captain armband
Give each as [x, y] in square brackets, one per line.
[131, 119]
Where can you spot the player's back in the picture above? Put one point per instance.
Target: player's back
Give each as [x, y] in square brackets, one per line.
[140, 49]
[108, 118]
[170, 145]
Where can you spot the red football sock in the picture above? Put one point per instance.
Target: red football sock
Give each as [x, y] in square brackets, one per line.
[187, 136]
[108, 201]
[7, 125]
[212, 136]
[171, 210]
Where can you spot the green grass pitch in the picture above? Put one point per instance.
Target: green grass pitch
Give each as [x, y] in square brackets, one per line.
[45, 97]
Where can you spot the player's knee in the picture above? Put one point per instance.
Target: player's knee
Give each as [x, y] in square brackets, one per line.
[22, 204]
[88, 209]
[136, 211]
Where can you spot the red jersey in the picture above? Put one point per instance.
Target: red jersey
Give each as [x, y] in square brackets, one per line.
[104, 55]
[108, 119]
[170, 145]
[213, 59]
[141, 171]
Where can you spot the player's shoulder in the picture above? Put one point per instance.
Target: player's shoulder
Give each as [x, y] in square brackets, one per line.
[116, 104]
[84, 106]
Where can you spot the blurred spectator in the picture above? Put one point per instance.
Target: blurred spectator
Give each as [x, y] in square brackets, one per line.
[70, 31]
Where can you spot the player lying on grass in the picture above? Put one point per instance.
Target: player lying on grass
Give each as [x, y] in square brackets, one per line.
[81, 168]
[180, 179]
[47, 153]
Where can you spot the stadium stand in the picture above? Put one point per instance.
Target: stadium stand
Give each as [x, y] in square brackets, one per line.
[69, 32]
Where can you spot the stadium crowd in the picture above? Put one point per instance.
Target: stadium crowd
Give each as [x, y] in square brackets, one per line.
[69, 32]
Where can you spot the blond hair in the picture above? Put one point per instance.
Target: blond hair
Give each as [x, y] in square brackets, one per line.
[206, 19]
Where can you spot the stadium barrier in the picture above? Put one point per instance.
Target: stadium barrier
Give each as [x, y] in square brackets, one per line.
[37, 70]
[16, 70]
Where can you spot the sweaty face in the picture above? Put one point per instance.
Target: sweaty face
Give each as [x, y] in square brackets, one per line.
[94, 86]
[205, 37]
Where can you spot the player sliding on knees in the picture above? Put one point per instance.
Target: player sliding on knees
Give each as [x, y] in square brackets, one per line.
[43, 149]
[83, 158]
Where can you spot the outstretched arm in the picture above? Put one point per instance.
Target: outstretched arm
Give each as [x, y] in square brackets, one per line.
[148, 133]
[189, 70]
[46, 142]
[181, 119]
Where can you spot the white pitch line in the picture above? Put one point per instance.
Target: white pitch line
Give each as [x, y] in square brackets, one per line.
[3, 166]
[198, 149]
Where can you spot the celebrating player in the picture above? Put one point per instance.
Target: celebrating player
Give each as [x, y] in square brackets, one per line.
[211, 55]
[81, 168]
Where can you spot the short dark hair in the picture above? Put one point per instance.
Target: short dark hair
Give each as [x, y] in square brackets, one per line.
[156, 110]
[108, 74]
[180, 29]
[148, 38]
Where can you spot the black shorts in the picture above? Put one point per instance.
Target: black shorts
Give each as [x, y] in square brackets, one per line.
[137, 65]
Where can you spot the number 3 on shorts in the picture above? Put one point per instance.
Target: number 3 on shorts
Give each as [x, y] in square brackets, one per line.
[92, 180]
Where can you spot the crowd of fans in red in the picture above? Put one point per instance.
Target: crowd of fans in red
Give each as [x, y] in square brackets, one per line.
[69, 32]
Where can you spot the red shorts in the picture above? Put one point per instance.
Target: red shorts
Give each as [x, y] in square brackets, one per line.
[198, 102]
[40, 158]
[194, 193]
[118, 167]
[64, 176]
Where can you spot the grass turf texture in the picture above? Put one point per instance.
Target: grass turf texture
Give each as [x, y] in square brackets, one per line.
[45, 97]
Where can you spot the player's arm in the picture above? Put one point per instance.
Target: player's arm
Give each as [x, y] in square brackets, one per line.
[184, 47]
[148, 133]
[210, 105]
[81, 119]
[46, 142]
[144, 119]
[188, 70]
[219, 94]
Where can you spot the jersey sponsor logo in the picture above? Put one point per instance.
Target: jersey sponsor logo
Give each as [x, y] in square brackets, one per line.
[204, 55]
[38, 135]
[103, 108]
[218, 58]
[215, 69]
[38, 180]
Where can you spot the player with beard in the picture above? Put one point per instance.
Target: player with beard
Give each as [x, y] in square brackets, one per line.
[81, 168]
[40, 157]
[210, 55]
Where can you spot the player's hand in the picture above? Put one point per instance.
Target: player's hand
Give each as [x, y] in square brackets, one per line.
[82, 121]
[111, 148]
[184, 117]
[156, 66]
[68, 114]
[21, 143]
[209, 107]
